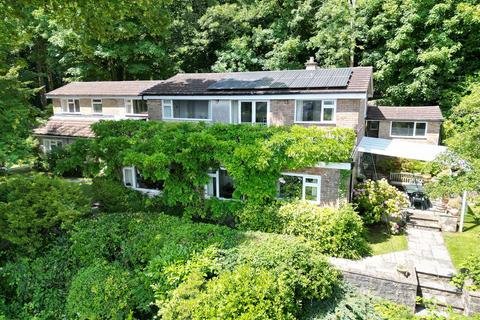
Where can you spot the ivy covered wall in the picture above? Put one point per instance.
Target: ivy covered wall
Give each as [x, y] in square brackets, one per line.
[180, 154]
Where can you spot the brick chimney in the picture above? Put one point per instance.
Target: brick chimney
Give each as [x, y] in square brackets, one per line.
[311, 64]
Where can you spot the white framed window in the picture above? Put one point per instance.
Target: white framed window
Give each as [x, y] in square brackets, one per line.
[408, 129]
[220, 185]
[253, 112]
[199, 110]
[70, 105]
[300, 186]
[133, 179]
[315, 111]
[136, 106]
[51, 144]
[97, 106]
[167, 109]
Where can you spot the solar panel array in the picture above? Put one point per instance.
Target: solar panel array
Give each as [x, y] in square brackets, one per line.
[322, 78]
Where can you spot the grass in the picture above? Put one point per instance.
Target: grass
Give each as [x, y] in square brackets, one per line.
[381, 242]
[462, 244]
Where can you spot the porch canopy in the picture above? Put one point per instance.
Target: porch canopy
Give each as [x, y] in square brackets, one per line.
[400, 149]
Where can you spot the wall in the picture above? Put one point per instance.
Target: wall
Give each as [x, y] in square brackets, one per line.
[350, 114]
[154, 109]
[114, 107]
[330, 183]
[432, 137]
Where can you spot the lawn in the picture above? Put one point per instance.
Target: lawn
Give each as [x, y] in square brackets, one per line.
[461, 245]
[381, 242]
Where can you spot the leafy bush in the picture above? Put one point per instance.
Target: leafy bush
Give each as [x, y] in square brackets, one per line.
[244, 293]
[345, 303]
[378, 201]
[106, 291]
[36, 208]
[337, 232]
[469, 270]
[287, 266]
[259, 217]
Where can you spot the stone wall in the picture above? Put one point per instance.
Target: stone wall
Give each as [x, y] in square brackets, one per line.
[388, 284]
[282, 112]
[432, 137]
[471, 301]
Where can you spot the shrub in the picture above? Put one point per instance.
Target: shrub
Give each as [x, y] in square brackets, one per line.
[469, 270]
[337, 232]
[259, 217]
[378, 201]
[244, 293]
[106, 291]
[35, 208]
[270, 265]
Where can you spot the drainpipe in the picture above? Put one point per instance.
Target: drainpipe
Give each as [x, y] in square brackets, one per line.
[350, 191]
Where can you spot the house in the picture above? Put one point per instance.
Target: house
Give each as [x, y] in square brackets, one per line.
[420, 124]
[79, 104]
[311, 97]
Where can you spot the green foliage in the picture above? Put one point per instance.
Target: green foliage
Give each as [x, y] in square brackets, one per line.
[37, 286]
[106, 291]
[180, 154]
[378, 201]
[469, 270]
[346, 303]
[259, 217]
[285, 268]
[34, 209]
[393, 311]
[243, 293]
[337, 232]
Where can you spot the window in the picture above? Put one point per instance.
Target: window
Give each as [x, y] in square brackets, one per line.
[253, 112]
[97, 105]
[220, 185]
[52, 144]
[136, 106]
[304, 187]
[71, 105]
[186, 109]
[134, 179]
[315, 111]
[408, 129]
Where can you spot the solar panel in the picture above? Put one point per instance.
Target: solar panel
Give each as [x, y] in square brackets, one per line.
[322, 78]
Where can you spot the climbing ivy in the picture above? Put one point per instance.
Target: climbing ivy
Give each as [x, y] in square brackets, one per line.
[180, 154]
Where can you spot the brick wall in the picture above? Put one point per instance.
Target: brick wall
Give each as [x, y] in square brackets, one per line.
[154, 109]
[432, 137]
[330, 182]
[350, 114]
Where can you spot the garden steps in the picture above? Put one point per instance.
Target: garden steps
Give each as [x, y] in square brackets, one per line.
[425, 224]
[426, 220]
[436, 288]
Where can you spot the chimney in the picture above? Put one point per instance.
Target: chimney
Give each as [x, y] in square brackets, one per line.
[311, 64]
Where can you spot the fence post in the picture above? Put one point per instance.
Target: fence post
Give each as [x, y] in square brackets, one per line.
[464, 208]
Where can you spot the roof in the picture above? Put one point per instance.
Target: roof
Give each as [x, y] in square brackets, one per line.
[205, 83]
[428, 113]
[400, 149]
[103, 88]
[66, 127]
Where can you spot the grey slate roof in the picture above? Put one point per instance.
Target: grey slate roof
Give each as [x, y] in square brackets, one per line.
[208, 83]
[103, 88]
[426, 113]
